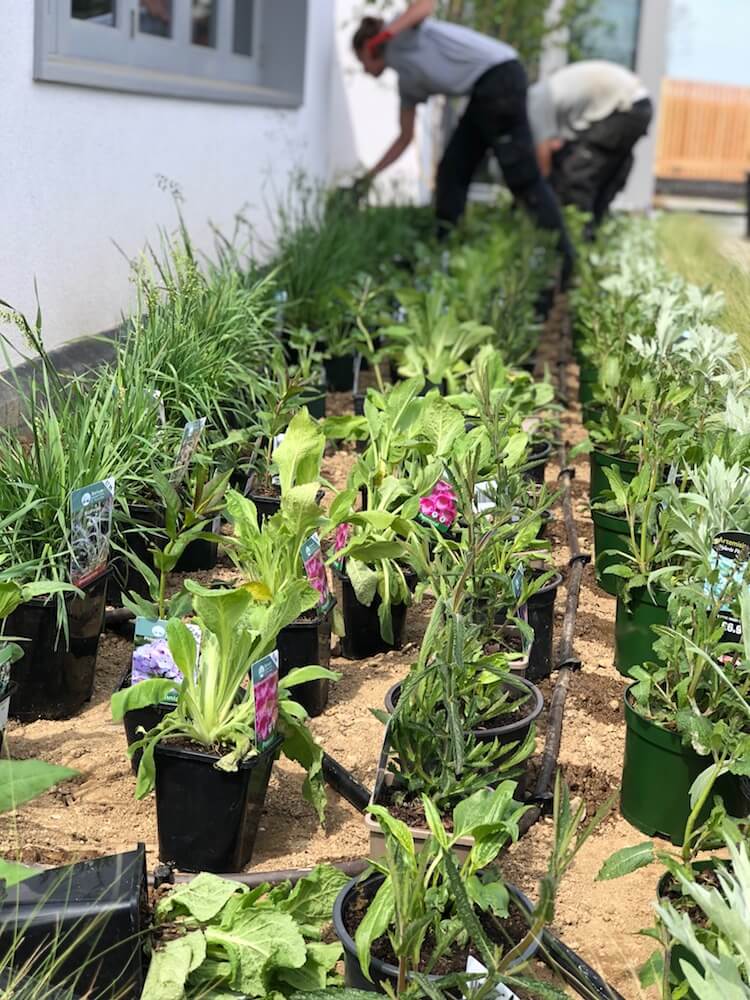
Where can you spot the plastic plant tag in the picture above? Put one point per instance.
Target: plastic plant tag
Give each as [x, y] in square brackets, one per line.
[152, 657]
[4, 709]
[312, 559]
[731, 555]
[280, 298]
[159, 400]
[517, 585]
[501, 991]
[191, 435]
[265, 677]
[483, 496]
[90, 530]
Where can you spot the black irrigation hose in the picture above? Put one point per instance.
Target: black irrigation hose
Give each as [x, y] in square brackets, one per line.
[585, 980]
[253, 879]
[344, 782]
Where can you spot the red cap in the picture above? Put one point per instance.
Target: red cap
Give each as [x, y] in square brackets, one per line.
[378, 41]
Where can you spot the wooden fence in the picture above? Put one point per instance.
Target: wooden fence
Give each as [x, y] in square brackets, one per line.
[704, 132]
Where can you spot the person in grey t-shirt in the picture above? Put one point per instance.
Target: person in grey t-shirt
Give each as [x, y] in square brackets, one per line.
[437, 57]
[586, 119]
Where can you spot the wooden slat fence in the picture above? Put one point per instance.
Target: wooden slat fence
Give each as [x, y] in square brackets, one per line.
[704, 132]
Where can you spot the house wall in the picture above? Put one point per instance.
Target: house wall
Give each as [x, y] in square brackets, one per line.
[79, 174]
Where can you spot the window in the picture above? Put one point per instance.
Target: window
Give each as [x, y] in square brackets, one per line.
[616, 36]
[245, 51]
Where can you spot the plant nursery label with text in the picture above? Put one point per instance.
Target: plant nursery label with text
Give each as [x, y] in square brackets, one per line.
[265, 675]
[312, 557]
[501, 991]
[191, 435]
[90, 530]
[152, 657]
[731, 556]
[517, 584]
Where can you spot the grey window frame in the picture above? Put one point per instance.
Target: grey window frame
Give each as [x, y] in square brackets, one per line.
[119, 57]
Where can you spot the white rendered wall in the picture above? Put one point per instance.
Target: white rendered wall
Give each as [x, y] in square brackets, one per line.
[79, 171]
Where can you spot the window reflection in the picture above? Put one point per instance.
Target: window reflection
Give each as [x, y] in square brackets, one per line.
[155, 17]
[203, 28]
[96, 11]
[242, 35]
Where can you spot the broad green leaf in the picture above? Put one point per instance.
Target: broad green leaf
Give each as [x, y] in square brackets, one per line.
[258, 943]
[363, 579]
[300, 453]
[394, 828]
[321, 958]
[489, 895]
[171, 965]
[301, 675]
[203, 898]
[375, 923]
[182, 646]
[11, 596]
[23, 780]
[627, 860]
[311, 900]
[141, 695]
[11, 873]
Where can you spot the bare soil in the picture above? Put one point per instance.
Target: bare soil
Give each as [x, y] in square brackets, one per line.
[96, 813]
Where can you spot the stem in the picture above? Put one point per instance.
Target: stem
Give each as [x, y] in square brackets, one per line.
[693, 817]
[401, 986]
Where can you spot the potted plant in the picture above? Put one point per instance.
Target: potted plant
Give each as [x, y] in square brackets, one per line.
[212, 743]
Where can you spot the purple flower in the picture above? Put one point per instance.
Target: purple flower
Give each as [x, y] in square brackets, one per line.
[342, 536]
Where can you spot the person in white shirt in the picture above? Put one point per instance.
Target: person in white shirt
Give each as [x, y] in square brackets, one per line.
[438, 57]
[586, 119]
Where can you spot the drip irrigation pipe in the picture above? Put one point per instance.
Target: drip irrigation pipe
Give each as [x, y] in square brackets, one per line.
[585, 980]
[253, 879]
[344, 782]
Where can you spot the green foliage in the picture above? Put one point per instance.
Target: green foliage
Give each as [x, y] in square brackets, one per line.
[216, 935]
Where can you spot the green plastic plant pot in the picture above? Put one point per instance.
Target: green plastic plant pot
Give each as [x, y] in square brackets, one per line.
[634, 636]
[611, 537]
[657, 773]
[599, 461]
[588, 379]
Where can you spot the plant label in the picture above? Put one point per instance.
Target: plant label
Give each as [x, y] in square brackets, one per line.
[312, 559]
[90, 530]
[280, 298]
[501, 991]
[265, 677]
[4, 708]
[731, 555]
[159, 400]
[191, 435]
[517, 585]
[152, 657]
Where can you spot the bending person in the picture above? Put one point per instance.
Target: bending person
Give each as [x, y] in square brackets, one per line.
[586, 119]
[436, 57]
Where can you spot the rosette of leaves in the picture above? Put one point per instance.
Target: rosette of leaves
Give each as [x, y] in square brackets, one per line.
[214, 937]
[215, 705]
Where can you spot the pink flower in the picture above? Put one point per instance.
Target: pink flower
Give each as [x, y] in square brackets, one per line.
[443, 488]
[427, 507]
[342, 536]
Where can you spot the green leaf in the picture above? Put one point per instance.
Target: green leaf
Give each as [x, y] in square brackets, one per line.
[489, 895]
[11, 596]
[311, 900]
[258, 943]
[300, 453]
[141, 695]
[182, 646]
[23, 780]
[301, 675]
[11, 873]
[375, 923]
[203, 898]
[313, 975]
[171, 965]
[627, 860]
[363, 579]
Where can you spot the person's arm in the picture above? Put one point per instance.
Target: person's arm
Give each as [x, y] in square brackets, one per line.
[412, 16]
[399, 146]
[544, 152]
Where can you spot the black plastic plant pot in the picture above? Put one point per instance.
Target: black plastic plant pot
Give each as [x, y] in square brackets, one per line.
[611, 543]
[340, 373]
[539, 455]
[598, 462]
[362, 636]
[83, 926]
[140, 718]
[208, 819]
[4, 710]
[657, 772]
[303, 644]
[383, 972]
[200, 554]
[514, 731]
[541, 617]
[588, 379]
[314, 398]
[53, 678]
[634, 635]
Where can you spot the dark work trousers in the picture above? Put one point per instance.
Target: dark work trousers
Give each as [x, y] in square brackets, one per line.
[592, 169]
[496, 119]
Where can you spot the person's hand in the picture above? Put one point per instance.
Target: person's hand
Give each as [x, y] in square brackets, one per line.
[378, 41]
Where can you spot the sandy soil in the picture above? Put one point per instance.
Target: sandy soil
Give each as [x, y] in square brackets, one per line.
[96, 813]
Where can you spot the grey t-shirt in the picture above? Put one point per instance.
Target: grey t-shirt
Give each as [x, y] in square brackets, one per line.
[571, 100]
[441, 58]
